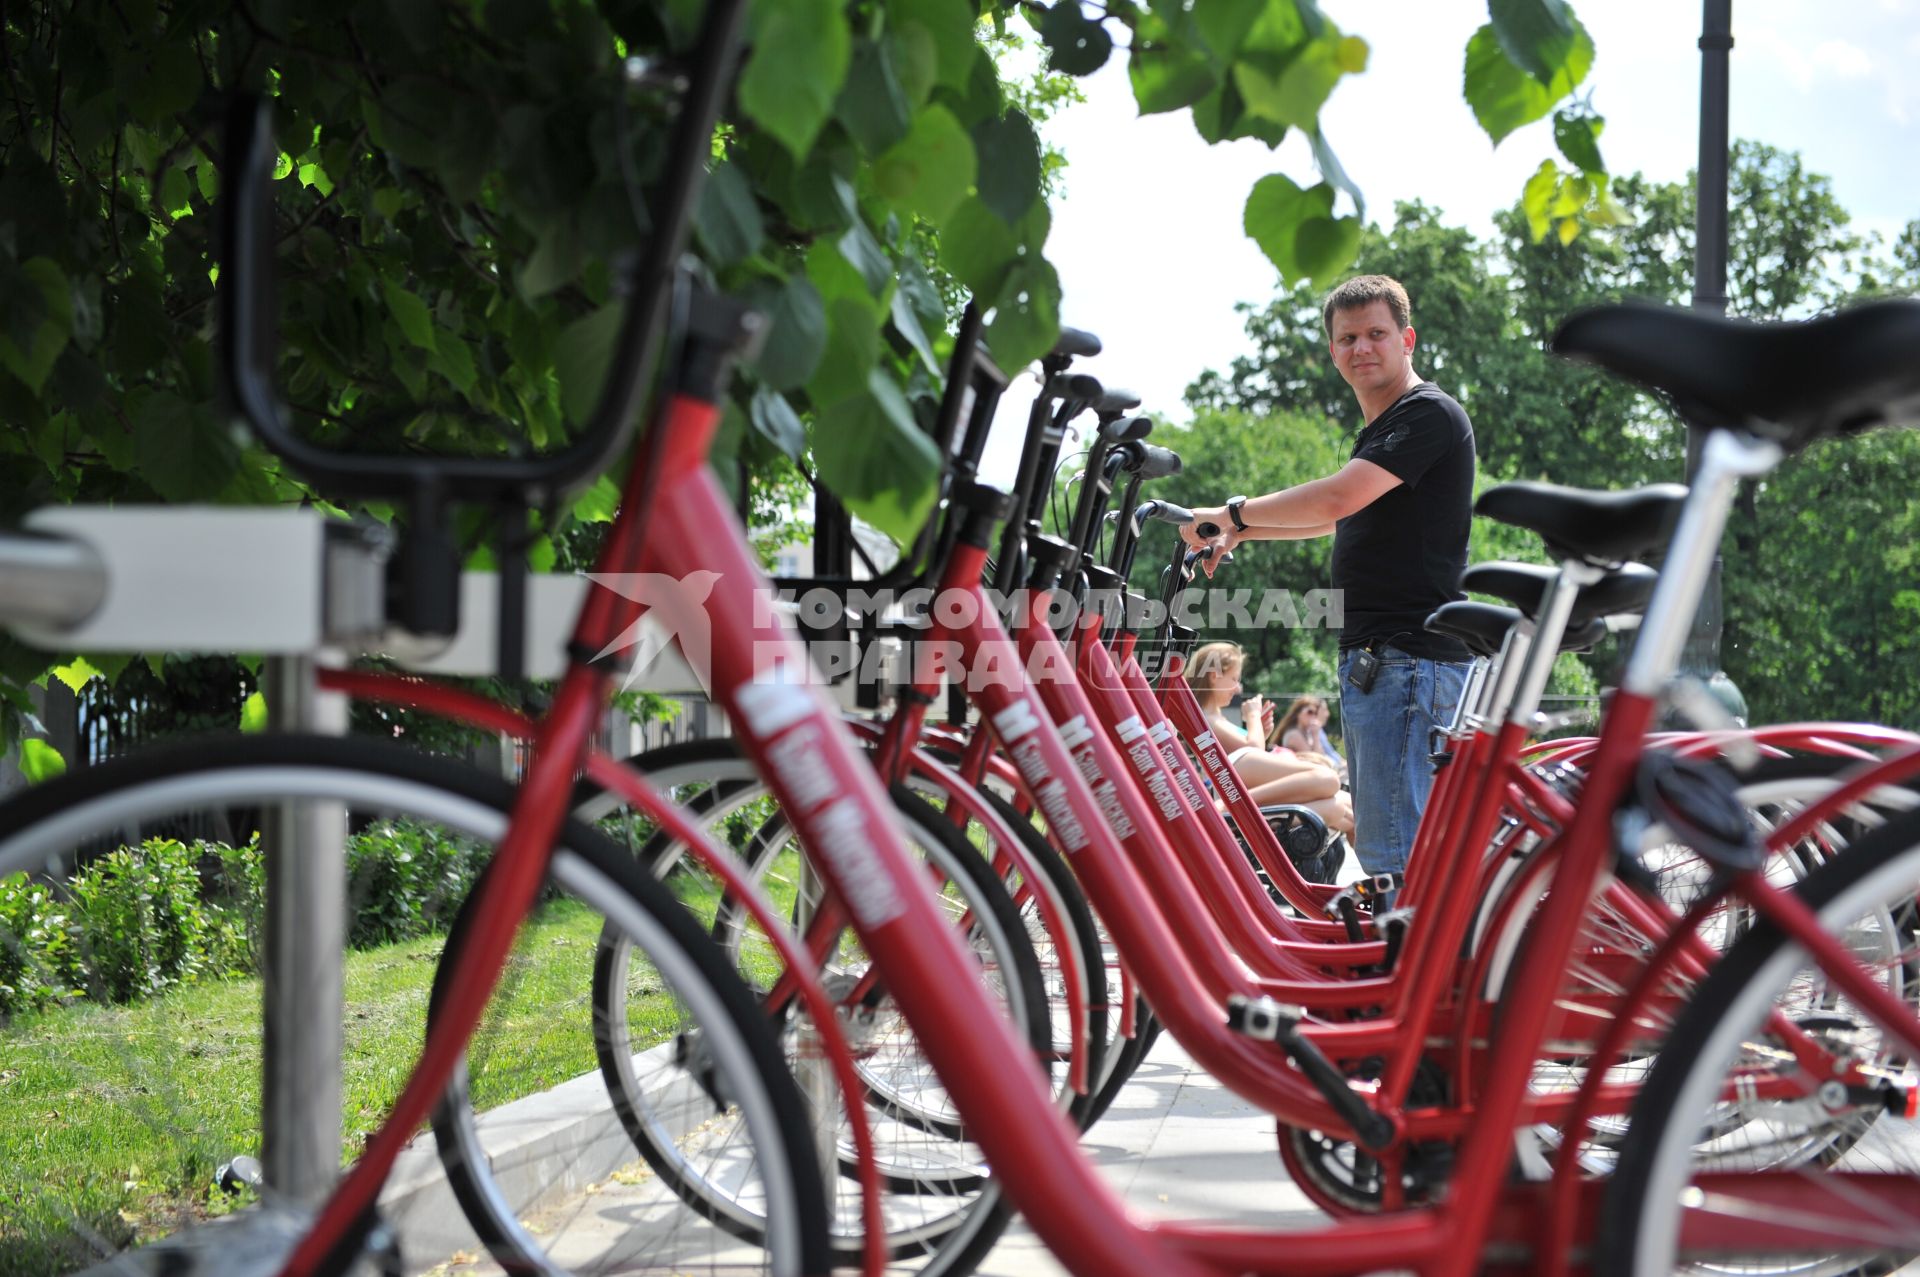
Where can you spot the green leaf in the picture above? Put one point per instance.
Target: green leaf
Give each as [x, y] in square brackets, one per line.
[415, 320]
[1608, 211]
[931, 169]
[1009, 164]
[1503, 96]
[907, 324]
[727, 219]
[917, 286]
[1276, 210]
[853, 344]
[1294, 91]
[1222, 116]
[1076, 45]
[32, 360]
[775, 419]
[40, 761]
[1170, 68]
[175, 193]
[1330, 168]
[796, 331]
[949, 23]
[171, 86]
[1537, 197]
[580, 359]
[1325, 246]
[181, 451]
[253, 713]
[874, 107]
[1026, 315]
[860, 247]
[453, 359]
[801, 51]
[599, 503]
[388, 200]
[915, 58]
[76, 674]
[1577, 134]
[1224, 24]
[1536, 35]
[555, 260]
[870, 453]
[834, 275]
[977, 247]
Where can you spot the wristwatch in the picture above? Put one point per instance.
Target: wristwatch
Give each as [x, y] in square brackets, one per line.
[1233, 512]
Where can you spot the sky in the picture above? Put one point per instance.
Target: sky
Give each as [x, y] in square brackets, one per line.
[1147, 233]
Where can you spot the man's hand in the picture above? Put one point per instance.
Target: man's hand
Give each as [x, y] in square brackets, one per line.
[1216, 515]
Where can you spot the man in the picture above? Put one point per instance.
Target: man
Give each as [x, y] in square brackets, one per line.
[1398, 512]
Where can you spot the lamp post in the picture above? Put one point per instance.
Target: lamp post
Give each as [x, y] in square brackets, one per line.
[1702, 656]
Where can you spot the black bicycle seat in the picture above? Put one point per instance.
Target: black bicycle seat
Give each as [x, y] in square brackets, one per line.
[1483, 627]
[1116, 401]
[1791, 382]
[1076, 343]
[1126, 429]
[1524, 585]
[1604, 528]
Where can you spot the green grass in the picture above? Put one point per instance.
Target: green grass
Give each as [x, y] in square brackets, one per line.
[123, 1114]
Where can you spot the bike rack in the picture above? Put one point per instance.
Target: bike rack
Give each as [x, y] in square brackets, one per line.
[304, 590]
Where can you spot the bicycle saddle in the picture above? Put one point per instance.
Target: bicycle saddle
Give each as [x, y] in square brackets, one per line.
[1483, 627]
[1075, 342]
[1602, 528]
[1791, 382]
[1625, 589]
[1115, 402]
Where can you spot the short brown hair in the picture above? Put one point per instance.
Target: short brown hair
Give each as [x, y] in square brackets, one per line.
[1365, 290]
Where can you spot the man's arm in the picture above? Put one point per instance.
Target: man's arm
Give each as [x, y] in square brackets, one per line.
[1304, 510]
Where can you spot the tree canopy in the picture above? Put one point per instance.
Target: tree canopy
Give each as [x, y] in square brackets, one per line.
[456, 192]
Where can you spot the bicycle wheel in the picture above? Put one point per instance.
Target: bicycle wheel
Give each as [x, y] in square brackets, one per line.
[1727, 1095]
[174, 1068]
[941, 1203]
[1615, 941]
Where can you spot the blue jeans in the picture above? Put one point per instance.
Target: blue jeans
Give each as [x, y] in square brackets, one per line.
[1387, 735]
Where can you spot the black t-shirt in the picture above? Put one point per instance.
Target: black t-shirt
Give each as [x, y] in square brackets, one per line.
[1401, 557]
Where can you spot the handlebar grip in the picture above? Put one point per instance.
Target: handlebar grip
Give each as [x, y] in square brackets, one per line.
[1157, 463]
[1208, 530]
[1076, 343]
[1163, 512]
[1116, 401]
[1126, 429]
[1074, 385]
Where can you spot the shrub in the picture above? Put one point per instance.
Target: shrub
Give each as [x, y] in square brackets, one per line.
[406, 880]
[146, 918]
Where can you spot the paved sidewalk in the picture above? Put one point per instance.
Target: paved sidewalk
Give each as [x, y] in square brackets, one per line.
[1177, 1144]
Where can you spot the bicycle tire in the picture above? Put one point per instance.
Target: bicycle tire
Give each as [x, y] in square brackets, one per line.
[941, 1206]
[375, 777]
[1876, 877]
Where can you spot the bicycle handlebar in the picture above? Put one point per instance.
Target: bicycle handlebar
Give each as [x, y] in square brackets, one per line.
[1159, 512]
[1155, 462]
[248, 343]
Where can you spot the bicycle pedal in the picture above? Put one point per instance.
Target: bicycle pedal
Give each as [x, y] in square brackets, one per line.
[1392, 927]
[1263, 1019]
[1268, 1020]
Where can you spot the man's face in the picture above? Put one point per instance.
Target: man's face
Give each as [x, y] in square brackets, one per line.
[1370, 351]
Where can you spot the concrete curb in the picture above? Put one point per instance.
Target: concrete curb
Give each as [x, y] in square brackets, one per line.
[543, 1149]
